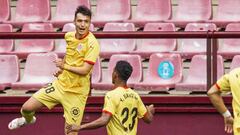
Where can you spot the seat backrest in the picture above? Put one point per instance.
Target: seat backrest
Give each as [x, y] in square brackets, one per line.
[113, 9]
[40, 66]
[96, 75]
[154, 9]
[5, 10]
[195, 45]
[194, 10]
[36, 45]
[163, 44]
[65, 9]
[118, 44]
[164, 68]
[9, 68]
[235, 62]
[6, 45]
[228, 10]
[230, 43]
[32, 10]
[135, 62]
[198, 69]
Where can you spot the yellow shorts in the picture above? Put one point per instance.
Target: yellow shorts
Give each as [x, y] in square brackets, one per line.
[73, 103]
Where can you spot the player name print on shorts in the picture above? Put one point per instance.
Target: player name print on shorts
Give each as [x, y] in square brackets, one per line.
[166, 70]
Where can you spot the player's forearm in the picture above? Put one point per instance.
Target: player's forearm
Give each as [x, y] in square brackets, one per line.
[100, 122]
[77, 70]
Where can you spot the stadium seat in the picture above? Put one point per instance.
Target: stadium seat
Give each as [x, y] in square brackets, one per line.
[111, 11]
[151, 11]
[164, 71]
[230, 47]
[106, 82]
[5, 10]
[65, 11]
[196, 80]
[117, 46]
[6, 45]
[189, 11]
[149, 46]
[39, 69]
[9, 68]
[235, 62]
[96, 75]
[189, 47]
[24, 47]
[227, 11]
[60, 44]
[30, 11]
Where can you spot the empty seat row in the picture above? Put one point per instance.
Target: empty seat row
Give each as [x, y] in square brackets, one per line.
[120, 11]
[145, 47]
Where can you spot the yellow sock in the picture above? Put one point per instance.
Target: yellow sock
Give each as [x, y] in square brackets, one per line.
[27, 115]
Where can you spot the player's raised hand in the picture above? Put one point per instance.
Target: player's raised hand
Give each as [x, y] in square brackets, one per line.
[228, 124]
[151, 108]
[59, 63]
[72, 128]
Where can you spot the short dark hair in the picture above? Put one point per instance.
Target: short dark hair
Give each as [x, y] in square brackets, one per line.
[124, 70]
[83, 10]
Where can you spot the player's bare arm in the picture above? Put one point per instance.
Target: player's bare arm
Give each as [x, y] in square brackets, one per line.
[148, 117]
[217, 100]
[100, 122]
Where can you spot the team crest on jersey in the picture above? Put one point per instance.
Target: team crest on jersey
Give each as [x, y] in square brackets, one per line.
[75, 111]
[79, 47]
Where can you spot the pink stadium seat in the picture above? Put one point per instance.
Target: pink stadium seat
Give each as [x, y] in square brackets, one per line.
[189, 47]
[111, 11]
[230, 47]
[117, 46]
[151, 11]
[235, 62]
[228, 11]
[149, 46]
[196, 79]
[6, 45]
[60, 44]
[96, 75]
[9, 68]
[38, 71]
[5, 11]
[106, 82]
[28, 11]
[192, 11]
[24, 47]
[164, 71]
[65, 11]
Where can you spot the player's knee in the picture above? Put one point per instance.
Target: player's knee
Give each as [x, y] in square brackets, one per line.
[27, 108]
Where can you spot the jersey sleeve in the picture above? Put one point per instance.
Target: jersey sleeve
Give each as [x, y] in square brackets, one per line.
[109, 106]
[142, 110]
[93, 52]
[223, 83]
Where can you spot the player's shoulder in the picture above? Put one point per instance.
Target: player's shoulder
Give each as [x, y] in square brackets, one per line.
[70, 34]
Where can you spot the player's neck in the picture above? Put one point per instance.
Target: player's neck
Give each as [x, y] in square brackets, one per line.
[120, 84]
[78, 36]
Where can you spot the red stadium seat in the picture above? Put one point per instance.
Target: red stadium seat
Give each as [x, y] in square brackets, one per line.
[164, 71]
[117, 46]
[65, 11]
[230, 47]
[151, 11]
[5, 10]
[24, 47]
[196, 79]
[235, 62]
[9, 67]
[96, 75]
[60, 44]
[106, 82]
[228, 11]
[111, 11]
[29, 11]
[189, 47]
[38, 71]
[149, 46]
[192, 11]
[7, 44]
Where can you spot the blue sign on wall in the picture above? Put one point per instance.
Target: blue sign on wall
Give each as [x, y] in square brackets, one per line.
[166, 70]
